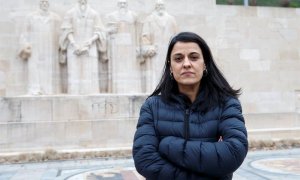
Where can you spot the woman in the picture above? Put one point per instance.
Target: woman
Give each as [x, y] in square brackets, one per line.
[191, 127]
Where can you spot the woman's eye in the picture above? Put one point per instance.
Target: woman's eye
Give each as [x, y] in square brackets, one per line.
[177, 59]
[194, 58]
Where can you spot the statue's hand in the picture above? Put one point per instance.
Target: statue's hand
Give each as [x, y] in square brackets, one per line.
[151, 52]
[148, 51]
[142, 60]
[88, 43]
[112, 28]
[25, 52]
[84, 50]
[76, 48]
[77, 52]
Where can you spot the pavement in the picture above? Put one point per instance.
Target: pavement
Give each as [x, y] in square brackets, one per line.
[259, 165]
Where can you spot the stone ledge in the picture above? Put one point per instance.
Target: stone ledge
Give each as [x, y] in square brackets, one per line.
[66, 154]
[273, 134]
[274, 144]
[122, 152]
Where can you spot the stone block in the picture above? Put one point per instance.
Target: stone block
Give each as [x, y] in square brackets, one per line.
[273, 134]
[3, 134]
[271, 121]
[275, 12]
[99, 121]
[113, 132]
[289, 54]
[6, 26]
[6, 114]
[260, 65]
[290, 78]
[227, 11]
[2, 92]
[269, 102]
[65, 109]
[4, 65]
[271, 55]
[19, 135]
[78, 133]
[248, 12]
[2, 80]
[297, 11]
[277, 24]
[289, 34]
[263, 13]
[260, 81]
[250, 54]
[49, 134]
[33, 110]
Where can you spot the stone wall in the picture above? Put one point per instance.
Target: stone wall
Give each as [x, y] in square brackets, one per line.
[257, 49]
[68, 122]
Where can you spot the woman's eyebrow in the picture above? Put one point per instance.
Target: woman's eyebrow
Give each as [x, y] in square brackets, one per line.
[177, 54]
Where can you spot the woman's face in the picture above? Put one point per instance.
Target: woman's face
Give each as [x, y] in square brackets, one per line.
[187, 64]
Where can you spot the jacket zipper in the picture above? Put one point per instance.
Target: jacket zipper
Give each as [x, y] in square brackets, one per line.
[186, 124]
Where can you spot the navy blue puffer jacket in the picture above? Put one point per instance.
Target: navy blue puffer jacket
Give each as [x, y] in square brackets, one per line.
[180, 141]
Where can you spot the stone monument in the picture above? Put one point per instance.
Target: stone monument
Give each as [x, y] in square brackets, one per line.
[264, 62]
[157, 30]
[39, 47]
[83, 41]
[125, 67]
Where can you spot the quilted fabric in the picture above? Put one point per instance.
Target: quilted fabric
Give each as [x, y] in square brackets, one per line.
[181, 141]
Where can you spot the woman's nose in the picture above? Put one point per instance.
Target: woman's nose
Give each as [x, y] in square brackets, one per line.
[186, 62]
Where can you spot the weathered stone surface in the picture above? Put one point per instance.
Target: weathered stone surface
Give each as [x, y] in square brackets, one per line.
[257, 49]
[100, 121]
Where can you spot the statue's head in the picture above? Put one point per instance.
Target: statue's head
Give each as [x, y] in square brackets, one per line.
[44, 5]
[160, 7]
[82, 2]
[122, 4]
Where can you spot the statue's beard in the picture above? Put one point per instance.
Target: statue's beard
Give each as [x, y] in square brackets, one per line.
[44, 8]
[160, 12]
[123, 9]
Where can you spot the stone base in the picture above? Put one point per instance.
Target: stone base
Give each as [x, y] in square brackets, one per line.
[104, 121]
[273, 126]
[68, 122]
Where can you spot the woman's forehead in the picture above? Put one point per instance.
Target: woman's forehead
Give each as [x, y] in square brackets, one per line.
[183, 46]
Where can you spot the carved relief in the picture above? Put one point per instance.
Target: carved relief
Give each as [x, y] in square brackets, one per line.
[78, 57]
[157, 30]
[83, 42]
[124, 67]
[39, 47]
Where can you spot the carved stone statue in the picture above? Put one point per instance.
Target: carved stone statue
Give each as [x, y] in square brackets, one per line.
[157, 30]
[124, 67]
[83, 43]
[39, 46]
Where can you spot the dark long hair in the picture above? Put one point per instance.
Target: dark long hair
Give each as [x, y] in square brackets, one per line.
[214, 84]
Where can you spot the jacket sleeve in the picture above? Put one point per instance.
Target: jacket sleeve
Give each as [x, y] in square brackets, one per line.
[147, 159]
[212, 158]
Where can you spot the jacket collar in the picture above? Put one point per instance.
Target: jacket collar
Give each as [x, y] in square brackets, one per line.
[184, 102]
